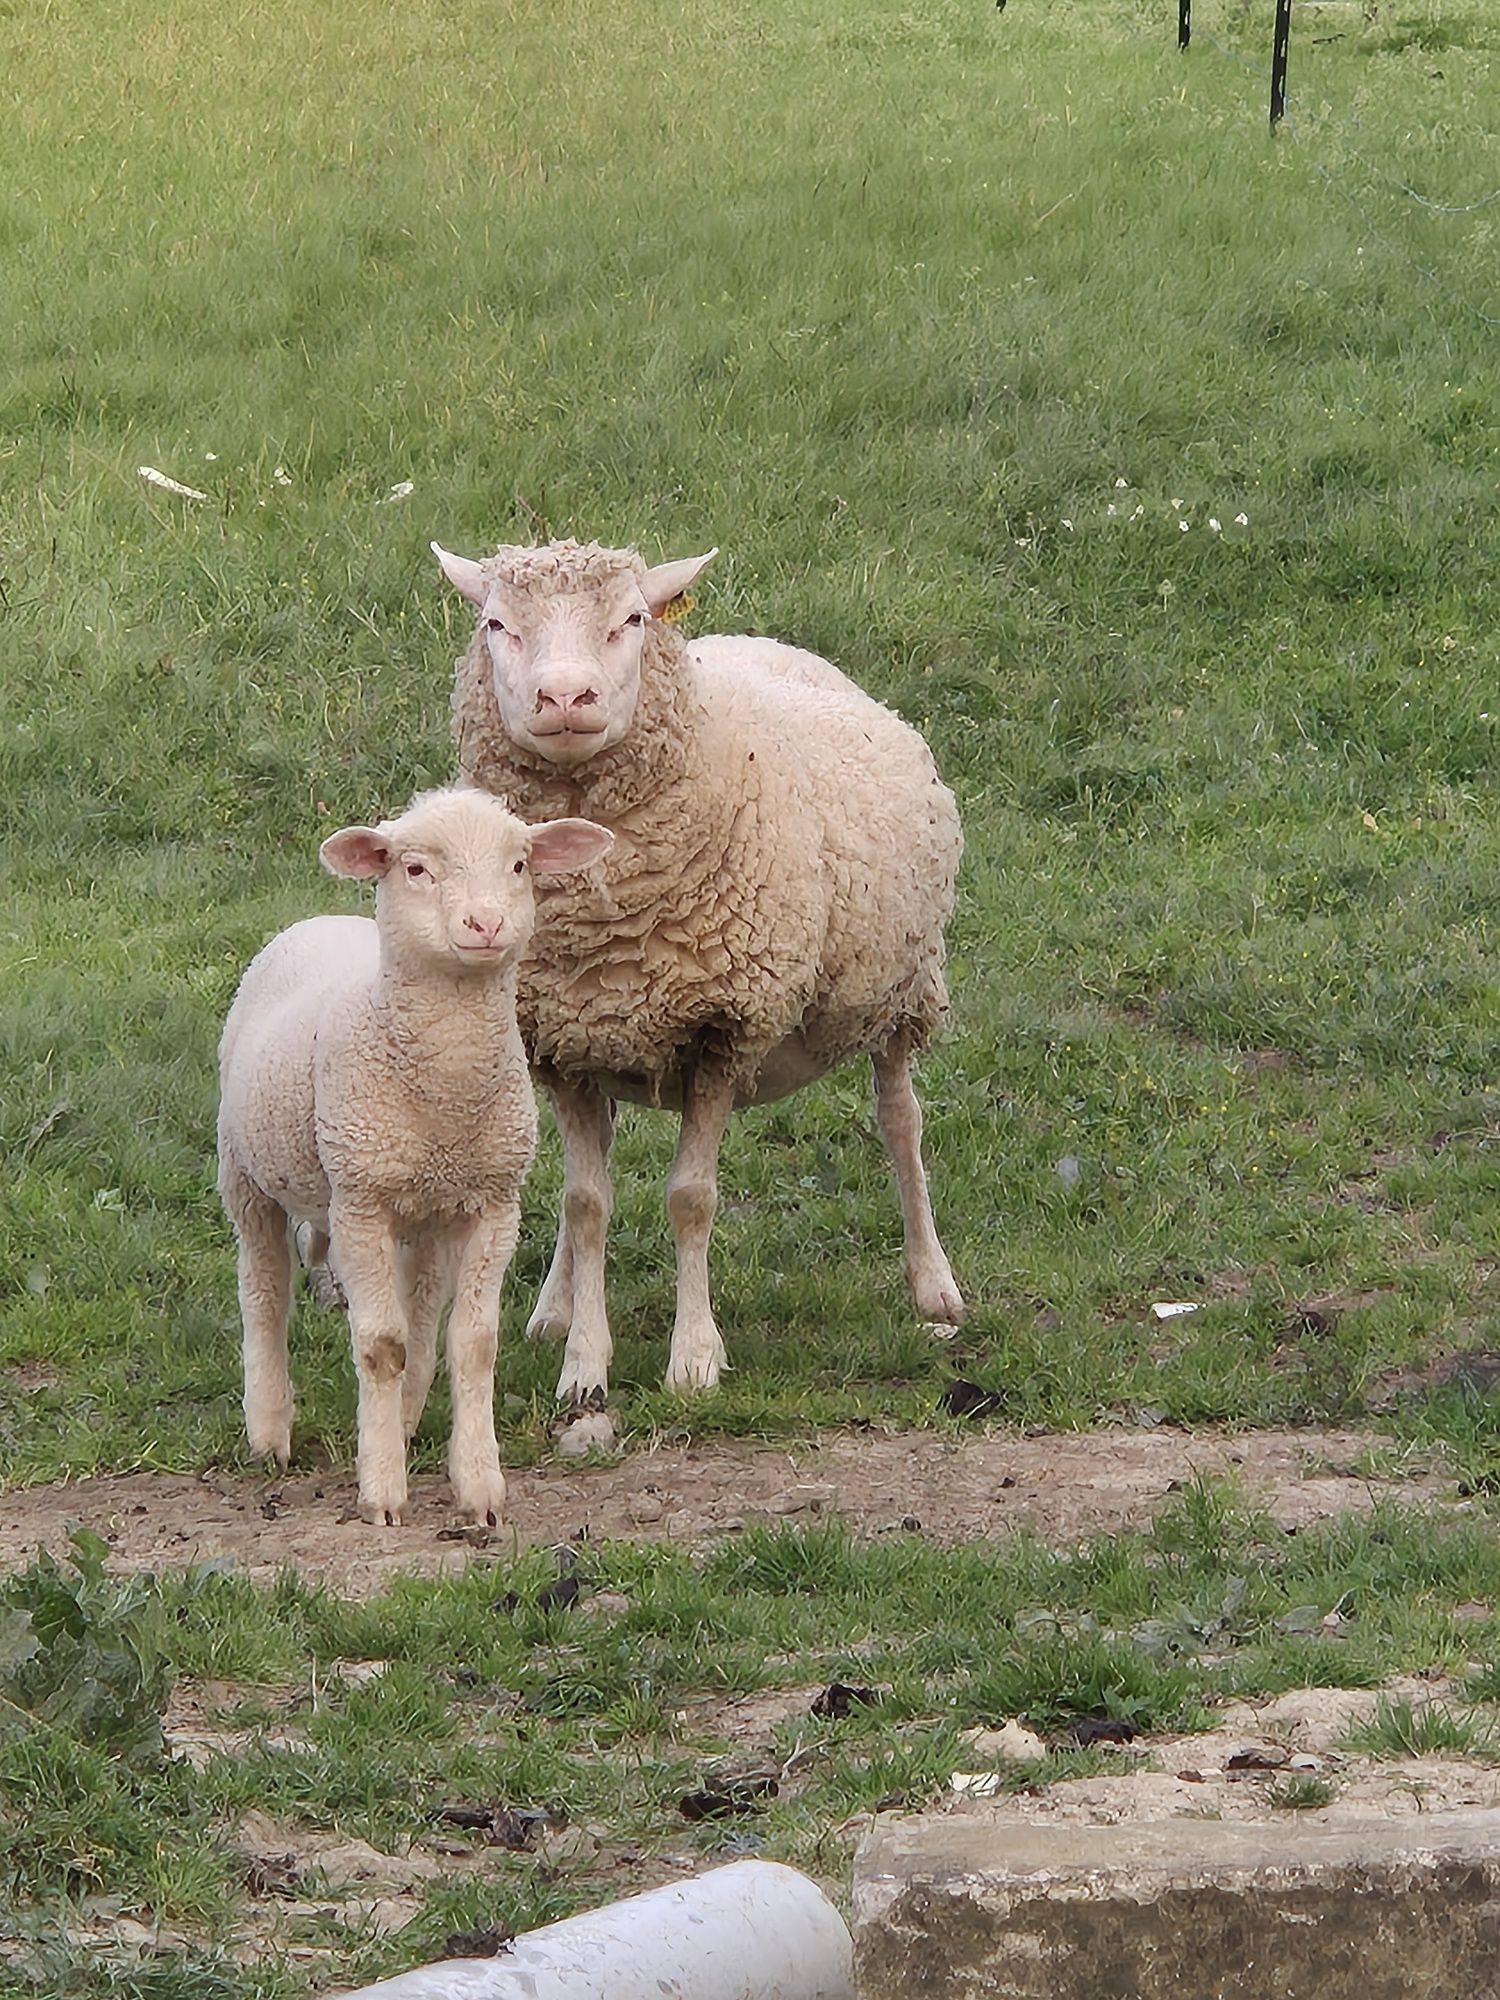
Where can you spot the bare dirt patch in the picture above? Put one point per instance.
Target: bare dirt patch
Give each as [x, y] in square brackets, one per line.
[951, 1490]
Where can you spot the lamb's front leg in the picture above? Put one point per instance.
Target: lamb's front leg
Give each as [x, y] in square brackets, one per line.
[692, 1197]
[585, 1119]
[368, 1266]
[473, 1334]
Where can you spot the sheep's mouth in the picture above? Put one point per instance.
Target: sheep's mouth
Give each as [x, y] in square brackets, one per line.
[591, 723]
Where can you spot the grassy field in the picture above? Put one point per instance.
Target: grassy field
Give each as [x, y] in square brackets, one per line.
[888, 304]
[1150, 465]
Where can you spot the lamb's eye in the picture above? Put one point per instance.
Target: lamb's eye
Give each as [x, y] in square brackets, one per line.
[497, 626]
[415, 871]
[520, 868]
[636, 618]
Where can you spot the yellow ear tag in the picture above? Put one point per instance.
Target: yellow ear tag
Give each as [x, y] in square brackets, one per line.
[678, 608]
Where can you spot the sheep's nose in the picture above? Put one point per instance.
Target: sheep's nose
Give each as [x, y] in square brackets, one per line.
[565, 701]
[486, 929]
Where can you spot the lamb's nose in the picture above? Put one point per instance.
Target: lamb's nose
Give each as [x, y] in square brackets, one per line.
[486, 929]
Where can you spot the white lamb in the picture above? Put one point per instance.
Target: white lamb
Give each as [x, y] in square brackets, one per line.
[774, 903]
[374, 1086]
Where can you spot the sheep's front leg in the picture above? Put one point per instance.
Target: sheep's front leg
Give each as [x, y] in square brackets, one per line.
[263, 1258]
[585, 1119]
[369, 1268]
[697, 1354]
[553, 1314]
[929, 1276]
[473, 1333]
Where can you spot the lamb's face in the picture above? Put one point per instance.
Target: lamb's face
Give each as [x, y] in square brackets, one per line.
[564, 627]
[455, 878]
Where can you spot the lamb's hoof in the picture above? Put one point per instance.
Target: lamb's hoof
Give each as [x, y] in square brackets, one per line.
[273, 1444]
[546, 1324]
[478, 1517]
[324, 1289]
[376, 1516]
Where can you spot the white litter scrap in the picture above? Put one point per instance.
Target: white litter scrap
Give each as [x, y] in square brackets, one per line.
[401, 489]
[154, 478]
[1175, 1308]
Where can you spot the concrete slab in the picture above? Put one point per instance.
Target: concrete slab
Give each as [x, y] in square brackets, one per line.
[1361, 1908]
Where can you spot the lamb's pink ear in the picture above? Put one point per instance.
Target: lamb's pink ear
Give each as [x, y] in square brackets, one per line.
[560, 845]
[357, 851]
[669, 580]
[468, 578]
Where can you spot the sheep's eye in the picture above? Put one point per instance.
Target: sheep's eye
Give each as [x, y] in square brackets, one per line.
[415, 871]
[636, 618]
[520, 868]
[495, 625]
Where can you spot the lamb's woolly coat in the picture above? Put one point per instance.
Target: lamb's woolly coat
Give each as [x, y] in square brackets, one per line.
[782, 873]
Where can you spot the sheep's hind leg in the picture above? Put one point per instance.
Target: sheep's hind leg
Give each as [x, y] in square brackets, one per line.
[264, 1268]
[585, 1118]
[929, 1276]
[473, 1333]
[697, 1355]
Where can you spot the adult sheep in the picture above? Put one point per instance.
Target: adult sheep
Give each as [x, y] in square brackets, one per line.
[773, 905]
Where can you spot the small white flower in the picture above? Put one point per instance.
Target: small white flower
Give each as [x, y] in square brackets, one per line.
[211, 456]
[1242, 520]
[1069, 526]
[1176, 504]
[1182, 527]
[401, 489]
[1213, 524]
[1138, 513]
[1113, 509]
[1121, 483]
[1023, 541]
[282, 476]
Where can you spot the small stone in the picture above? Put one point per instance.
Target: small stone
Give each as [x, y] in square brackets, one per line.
[1013, 1739]
[593, 1431]
[811, 1498]
[646, 1508]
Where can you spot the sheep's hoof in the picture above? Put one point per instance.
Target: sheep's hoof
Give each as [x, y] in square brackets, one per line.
[694, 1375]
[576, 1393]
[547, 1324]
[938, 1298]
[378, 1515]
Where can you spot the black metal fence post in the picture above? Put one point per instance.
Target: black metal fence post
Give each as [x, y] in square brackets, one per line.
[1278, 60]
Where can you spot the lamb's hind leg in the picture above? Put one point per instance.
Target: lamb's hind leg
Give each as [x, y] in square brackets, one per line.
[692, 1196]
[264, 1268]
[934, 1292]
[584, 1118]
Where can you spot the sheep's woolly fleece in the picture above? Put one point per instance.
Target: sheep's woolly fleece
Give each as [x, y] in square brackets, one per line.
[782, 873]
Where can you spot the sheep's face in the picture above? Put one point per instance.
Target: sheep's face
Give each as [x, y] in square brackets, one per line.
[454, 877]
[564, 628]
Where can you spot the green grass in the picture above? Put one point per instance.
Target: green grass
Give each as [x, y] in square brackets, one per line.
[886, 302]
[607, 1714]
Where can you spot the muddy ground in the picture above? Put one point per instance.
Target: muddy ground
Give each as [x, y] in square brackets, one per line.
[1064, 1486]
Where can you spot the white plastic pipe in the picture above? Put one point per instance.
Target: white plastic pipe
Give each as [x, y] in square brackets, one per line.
[751, 1931]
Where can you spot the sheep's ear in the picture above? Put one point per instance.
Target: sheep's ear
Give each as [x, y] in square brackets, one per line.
[357, 851]
[468, 578]
[669, 580]
[560, 845]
